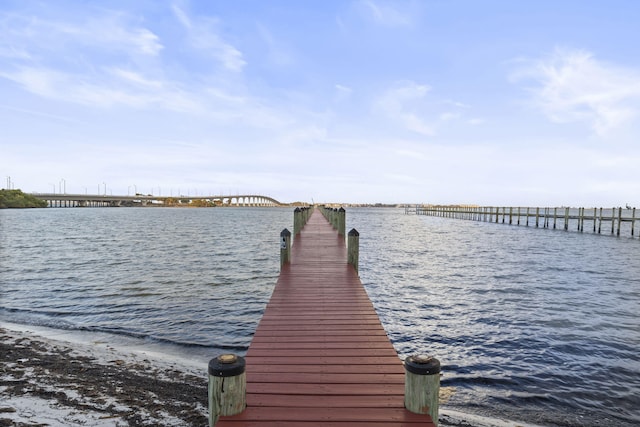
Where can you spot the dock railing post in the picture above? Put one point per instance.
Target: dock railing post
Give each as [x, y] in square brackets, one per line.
[297, 221]
[227, 386]
[353, 248]
[307, 213]
[422, 385]
[341, 221]
[285, 247]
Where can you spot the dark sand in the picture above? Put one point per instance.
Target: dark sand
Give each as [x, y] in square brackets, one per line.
[111, 391]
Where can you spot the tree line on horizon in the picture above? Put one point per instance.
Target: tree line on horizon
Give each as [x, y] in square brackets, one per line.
[18, 199]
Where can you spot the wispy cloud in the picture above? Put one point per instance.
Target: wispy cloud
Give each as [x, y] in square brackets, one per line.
[105, 89]
[476, 121]
[387, 14]
[31, 37]
[408, 104]
[203, 35]
[403, 103]
[342, 93]
[574, 86]
[103, 58]
[278, 53]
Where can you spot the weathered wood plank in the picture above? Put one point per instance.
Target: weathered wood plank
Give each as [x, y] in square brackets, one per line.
[328, 415]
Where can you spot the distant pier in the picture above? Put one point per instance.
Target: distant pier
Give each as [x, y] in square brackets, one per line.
[614, 221]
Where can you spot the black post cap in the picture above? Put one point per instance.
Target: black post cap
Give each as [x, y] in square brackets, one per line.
[285, 232]
[226, 365]
[422, 365]
[353, 232]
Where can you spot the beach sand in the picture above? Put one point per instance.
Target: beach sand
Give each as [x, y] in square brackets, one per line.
[56, 379]
[51, 382]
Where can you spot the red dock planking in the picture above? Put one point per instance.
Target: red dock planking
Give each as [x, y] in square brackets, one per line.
[320, 356]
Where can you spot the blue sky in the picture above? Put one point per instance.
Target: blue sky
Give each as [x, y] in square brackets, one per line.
[486, 102]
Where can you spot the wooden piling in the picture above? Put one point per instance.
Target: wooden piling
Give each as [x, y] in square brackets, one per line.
[297, 221]
[227, 387]
[341, 221]
[285, 247]
[422, 385]
[600, 222]
[619, 221]
[546, 218]
[613, 219]
[353, 248]
[633, 220]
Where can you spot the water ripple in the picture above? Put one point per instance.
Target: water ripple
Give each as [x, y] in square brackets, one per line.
[528, 323]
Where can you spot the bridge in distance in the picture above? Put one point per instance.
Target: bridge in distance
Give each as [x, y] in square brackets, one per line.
[103, 200]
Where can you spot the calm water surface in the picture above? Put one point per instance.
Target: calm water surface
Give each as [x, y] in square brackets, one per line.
[529, 324]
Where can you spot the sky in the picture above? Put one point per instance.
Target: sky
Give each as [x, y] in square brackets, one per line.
[492, 102]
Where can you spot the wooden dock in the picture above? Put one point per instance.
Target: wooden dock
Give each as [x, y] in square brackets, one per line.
[618, 220]
[320, 356]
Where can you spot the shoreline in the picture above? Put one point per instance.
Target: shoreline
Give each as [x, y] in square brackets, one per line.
[60, 378]
[56, 382]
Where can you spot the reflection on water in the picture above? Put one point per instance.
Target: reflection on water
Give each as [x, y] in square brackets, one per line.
[528, 323]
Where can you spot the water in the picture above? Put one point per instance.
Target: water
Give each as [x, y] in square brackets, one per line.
[529, 324]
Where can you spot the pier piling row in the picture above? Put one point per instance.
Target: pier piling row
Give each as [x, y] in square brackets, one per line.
[619, 221]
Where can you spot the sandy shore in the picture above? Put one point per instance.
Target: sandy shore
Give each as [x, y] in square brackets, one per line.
[60, 381]
[49, 382]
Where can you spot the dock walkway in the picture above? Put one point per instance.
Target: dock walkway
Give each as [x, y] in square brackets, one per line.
[320, 356]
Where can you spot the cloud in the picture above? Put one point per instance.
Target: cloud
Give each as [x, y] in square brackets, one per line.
[105, 89]
[105, 58]
[342, 93]
[445, 117]
[386, 14]
[404, 104]
[278, 52]
[573, 86]
[343, 89]
[407, 104]
[202, 35]
[32, 37]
